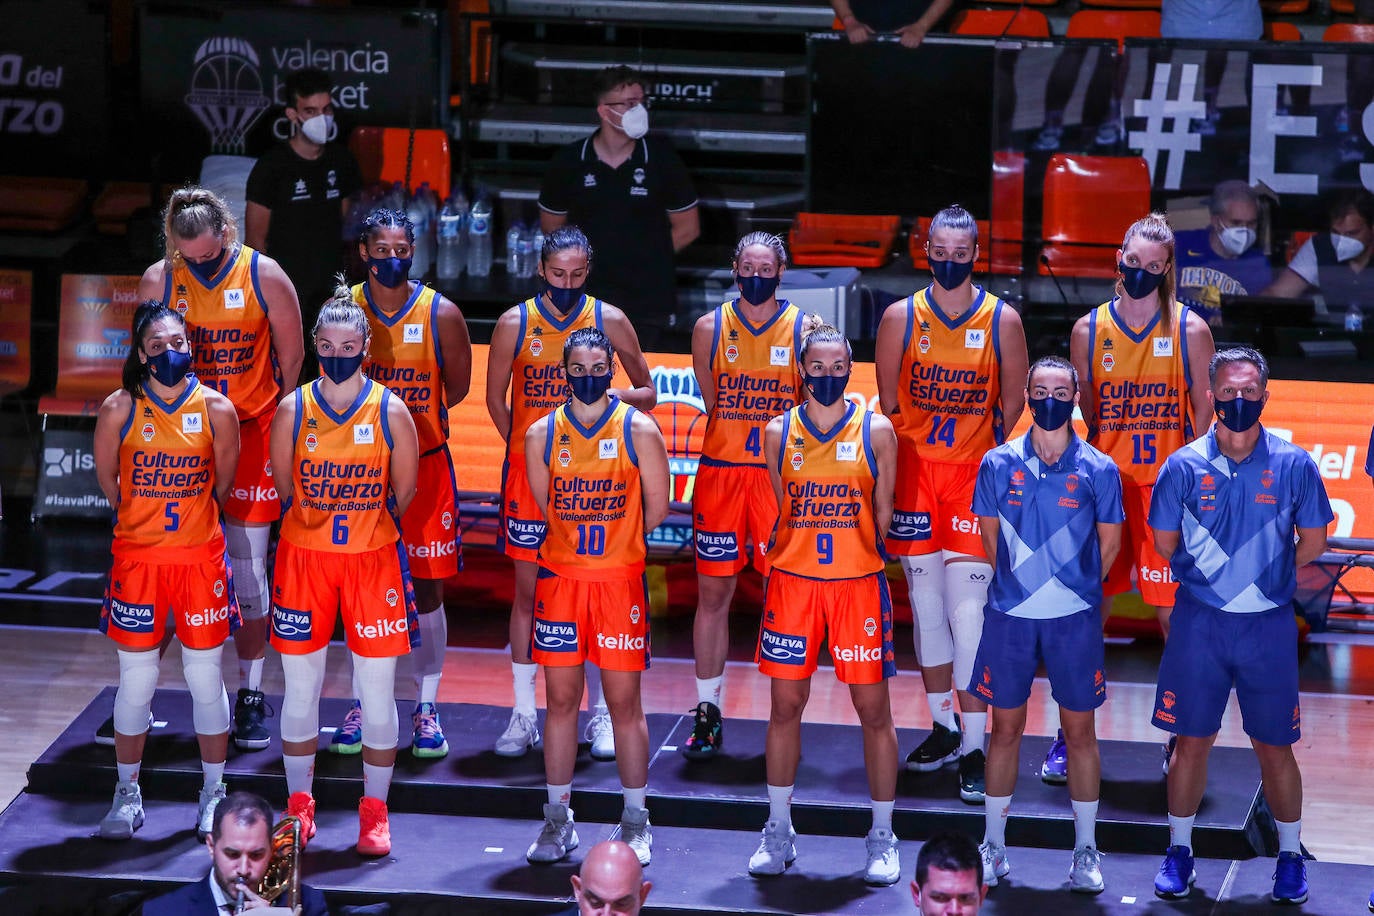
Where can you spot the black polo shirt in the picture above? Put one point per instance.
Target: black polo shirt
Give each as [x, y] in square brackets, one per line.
[888, 15]
[624, 212]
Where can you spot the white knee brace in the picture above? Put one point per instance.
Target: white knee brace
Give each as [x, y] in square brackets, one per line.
[248, 557]
[210, 704]
[925, 587]
[376, 681]
[300, 705]
[966, 590]
[137, 681]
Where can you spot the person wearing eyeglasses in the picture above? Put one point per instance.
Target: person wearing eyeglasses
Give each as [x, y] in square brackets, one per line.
[1222, 258]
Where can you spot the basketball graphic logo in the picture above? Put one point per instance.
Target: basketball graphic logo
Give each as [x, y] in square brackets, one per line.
[147, 432]
[536, 346]
[311, 442]
[226, 91]
[732, 353]
[681, 415]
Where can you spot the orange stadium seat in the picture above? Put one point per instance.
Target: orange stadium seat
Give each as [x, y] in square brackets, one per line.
[1114, 24]
[1020, 23]
[1284, 7]
[1089, 203]
[40, 204]
[1026, 2]
[1344, 7]
[1282, 31]
[93, 326]
[382, 152]
[1349, 31]
[16, 307]
[1123, 4]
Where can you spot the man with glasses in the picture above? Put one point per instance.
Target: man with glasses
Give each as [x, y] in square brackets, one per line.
[1223, 258]
[632, 196]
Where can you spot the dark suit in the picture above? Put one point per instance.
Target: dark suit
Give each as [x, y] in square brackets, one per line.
[197, 900]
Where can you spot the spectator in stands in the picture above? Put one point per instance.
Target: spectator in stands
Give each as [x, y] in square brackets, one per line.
[240, 845]
[1232, 20]
[1336, 263]
[910, 20]
[949, 877]
[1222, 259]
[611, 880]
[298, 193]
[632, 196]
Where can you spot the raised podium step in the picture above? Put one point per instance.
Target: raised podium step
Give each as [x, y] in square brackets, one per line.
[733, 132]
[792, 15]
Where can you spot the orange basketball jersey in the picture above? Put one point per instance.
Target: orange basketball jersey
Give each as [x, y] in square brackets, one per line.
[826, 528]
[1139, 379]
[231, 340]
[949, 387]
[341, 474]
[596, 510]
[757, 377]
[536, 383]
[167, 507]
[407, 358]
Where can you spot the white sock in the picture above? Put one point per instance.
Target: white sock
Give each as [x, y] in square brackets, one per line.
[250, 673]
[560, 795]
[523, 674]
[975, 724]
[353, 680]
[995, 809]
[376, 781]
[1052, 717]
[942, 708]
[1084, 824]
[128, 772]
[634, 798]
[882, 814]
[1289, 835]
[596, 696]
[1181, 831]
[300, 772]
[709, 690]
[780, 804]
[213, 773]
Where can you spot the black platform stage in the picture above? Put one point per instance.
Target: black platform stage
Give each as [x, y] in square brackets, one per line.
[460, 826]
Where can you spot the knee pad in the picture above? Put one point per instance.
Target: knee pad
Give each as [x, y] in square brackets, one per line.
[428, 657]
[210, 704]
[137, 681]
[925, 587]
[248, 558]
[376, 680]
[966, 590]
[300, 705]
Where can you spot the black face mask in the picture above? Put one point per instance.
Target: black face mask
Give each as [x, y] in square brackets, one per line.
[951, 274]
[757, 290]
[206, 270]
[1137, 281]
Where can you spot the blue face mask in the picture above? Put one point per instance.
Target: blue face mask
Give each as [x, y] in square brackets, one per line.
[827, 389]
[1137, 281]
[339, 369]
[951, 274]
[169, 367]
[1238, 414]
[589, 388]
[563, 298]
[206, 270]
[1050, 414]
[757, 290]
[390, 272]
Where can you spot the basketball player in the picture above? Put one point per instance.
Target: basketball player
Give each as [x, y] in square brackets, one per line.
[745, 357]
[526, 347]
[950, 364]
[345, 458]
[420, 348]
[599, 471]
[831, 464]
[1138, 356]
[165, 449]
[1049, 509]
[245, 326]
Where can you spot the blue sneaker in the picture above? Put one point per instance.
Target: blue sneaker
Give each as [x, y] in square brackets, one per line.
[1371, 901]
[1176, 874]
[427, 741]
[348, 737]
[1290, 879]
[1055, 769]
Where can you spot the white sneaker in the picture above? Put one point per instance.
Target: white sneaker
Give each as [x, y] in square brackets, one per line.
[995, 864]
[1085, 876]
[636, 832]
[884, 867]
[520, 735]
[205, 816]
[602, 737]
[557, 838]
[777, 849]
[126, 813]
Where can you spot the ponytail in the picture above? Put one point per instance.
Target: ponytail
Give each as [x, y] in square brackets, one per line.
[193, 211]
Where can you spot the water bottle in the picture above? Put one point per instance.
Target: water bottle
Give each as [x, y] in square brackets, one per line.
[1354, 318]
[514, 261]
[460, 205]
[448, 264]
[529, 254]
[537, 246]
[422, 253]
[479, 238]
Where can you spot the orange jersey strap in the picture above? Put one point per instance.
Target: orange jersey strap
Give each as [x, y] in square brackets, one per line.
[537, 385]
[406, 356]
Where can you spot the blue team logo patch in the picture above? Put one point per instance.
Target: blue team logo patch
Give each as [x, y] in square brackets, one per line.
[782, 649]
[289, 624]
[910, 526]
[131, 618]
[521, 533]
[550, 636]
[717, 545]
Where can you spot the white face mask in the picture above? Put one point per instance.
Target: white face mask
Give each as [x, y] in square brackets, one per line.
[319, 129]
[635, 122]
[1237, 239]
[1347, 248]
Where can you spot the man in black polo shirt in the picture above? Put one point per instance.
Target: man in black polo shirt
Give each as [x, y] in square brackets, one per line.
[632, 197]
[298, 194]
[1338, 264]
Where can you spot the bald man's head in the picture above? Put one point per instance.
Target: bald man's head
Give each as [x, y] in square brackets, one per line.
[611, 881]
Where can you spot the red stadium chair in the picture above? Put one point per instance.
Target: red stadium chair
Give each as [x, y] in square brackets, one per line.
[1115, 24]
[16, 306]
[382, 152]
[1284, 7]
[1123, 4]
[1282, 31]
[1090, 202]
[1344, 7]
[1354, 32]
[1021, 23]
